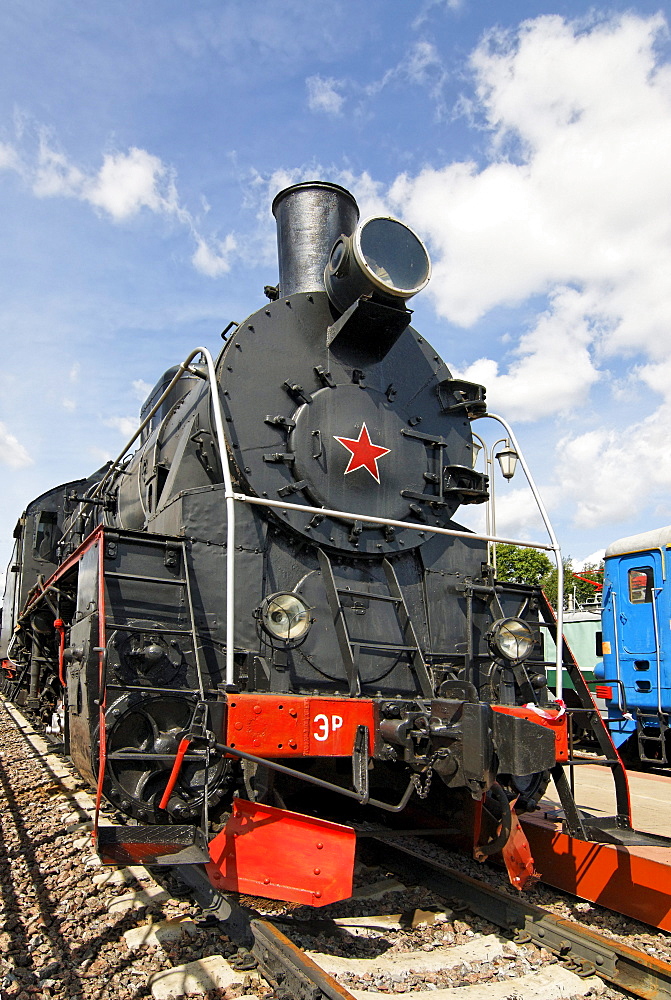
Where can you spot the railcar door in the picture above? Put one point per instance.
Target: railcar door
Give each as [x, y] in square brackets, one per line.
[638, 627]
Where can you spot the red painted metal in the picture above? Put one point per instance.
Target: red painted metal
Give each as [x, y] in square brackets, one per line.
[65, 567]
[271, 725]
[517, 855]
[634, 881]
[174, 774]
[586, 579]
[556, 721]
[59, 626]
[604, 691]
[279, 854]
[102, 678]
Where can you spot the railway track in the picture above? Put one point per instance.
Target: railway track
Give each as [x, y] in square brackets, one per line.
[70, 928]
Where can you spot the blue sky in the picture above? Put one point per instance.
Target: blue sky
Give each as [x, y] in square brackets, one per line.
[529, 145]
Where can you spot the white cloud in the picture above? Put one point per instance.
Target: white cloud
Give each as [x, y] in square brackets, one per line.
[516, 512]
[431, 4]
[141, 389]
[9, 158]
[424, 67]
[323, 96]
[128, 182]
[552, 370]
[214, 258]
[12, 452]
[573, 204]
[54, 176]
[610, 475]
[125, 425]
[124, 185]
[69, 404]
[591, 560]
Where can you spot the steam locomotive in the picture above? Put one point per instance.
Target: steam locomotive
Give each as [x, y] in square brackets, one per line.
[268, 603]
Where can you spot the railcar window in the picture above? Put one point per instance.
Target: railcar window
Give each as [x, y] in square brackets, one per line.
[46, 535]
[640, 585]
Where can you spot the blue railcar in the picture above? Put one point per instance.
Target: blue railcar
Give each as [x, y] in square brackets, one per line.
[635, 676]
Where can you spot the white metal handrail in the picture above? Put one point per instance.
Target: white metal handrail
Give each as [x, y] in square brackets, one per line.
[554, 547]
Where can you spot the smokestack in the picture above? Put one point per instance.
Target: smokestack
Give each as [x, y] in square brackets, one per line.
[310, 218]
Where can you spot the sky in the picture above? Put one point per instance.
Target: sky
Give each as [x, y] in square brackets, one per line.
[528, 144]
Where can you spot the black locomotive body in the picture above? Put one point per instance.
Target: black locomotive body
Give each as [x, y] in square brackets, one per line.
[358, 644]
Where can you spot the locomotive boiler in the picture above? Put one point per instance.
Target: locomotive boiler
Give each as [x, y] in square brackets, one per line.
[268, 603]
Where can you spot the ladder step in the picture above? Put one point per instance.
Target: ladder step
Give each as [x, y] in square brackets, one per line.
[125, 627]
[386, 646]
[143, 579]
[364, 593]
[153, 690]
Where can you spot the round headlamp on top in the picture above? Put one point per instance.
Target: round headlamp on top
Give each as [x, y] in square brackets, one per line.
[285, 617]
[383, 258]
[512, 639]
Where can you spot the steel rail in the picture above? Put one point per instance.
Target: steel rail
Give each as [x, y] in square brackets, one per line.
[286, 966]
[281, 962]
[584, 951]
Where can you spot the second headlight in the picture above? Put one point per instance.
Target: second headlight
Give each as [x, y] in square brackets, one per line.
[285, 616]
[511, 638]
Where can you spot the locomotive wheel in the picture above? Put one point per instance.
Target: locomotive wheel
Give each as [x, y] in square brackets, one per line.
[143, 734]
[529, 789]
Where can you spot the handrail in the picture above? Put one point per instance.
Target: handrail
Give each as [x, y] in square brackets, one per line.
[555, 547]
[656, 591]
[228, 487]
[371, 519]
[618, 679]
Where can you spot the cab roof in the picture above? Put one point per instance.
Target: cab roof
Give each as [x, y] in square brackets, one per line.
[660, 538]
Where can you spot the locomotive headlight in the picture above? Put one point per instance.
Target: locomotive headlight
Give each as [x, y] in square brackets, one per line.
[381, 256]
[285, 616]
[511, 638]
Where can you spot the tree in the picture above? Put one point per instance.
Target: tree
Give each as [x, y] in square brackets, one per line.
[520, 565]
[533, 567]
[549, 583]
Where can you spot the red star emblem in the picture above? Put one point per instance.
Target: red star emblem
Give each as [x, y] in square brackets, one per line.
[364, 453]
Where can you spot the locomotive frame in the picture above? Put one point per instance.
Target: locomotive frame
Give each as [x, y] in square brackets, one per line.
[416, 662]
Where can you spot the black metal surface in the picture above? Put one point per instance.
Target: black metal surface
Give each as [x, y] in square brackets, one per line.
[234, 918]
[152, 845]
[589, 951]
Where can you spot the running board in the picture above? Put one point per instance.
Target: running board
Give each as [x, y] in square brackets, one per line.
[632, 880]
[610, 830]
[152, 845]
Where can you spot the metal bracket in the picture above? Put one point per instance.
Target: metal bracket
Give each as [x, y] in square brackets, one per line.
[286, 491]
[324, 376]
[297, 391]
[360, 755]
[280, 421]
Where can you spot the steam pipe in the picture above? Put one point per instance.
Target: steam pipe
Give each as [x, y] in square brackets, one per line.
[310, 218]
